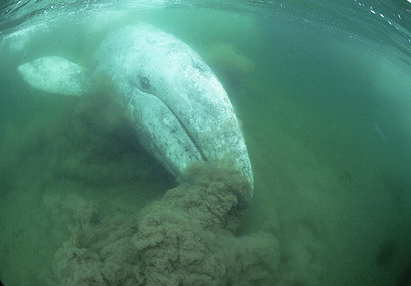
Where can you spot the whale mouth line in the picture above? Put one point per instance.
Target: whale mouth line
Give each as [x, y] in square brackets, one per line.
[183, 126]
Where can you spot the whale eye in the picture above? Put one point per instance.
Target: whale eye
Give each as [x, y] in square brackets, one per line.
[145, 82]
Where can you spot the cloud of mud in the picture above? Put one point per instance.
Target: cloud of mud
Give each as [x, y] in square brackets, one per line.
[77, 174]
[232, 66]
[186, 238]
[59, 146]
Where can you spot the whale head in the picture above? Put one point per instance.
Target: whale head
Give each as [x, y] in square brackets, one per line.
[179, 108]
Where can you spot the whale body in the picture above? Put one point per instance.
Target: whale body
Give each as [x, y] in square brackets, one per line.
[179, 109]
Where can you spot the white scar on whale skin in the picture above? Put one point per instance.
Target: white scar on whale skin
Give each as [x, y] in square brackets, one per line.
[179, 109]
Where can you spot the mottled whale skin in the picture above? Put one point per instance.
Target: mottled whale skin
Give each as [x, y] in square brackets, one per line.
[179, 109]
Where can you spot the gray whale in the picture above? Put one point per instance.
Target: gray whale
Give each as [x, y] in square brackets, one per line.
[179, 109]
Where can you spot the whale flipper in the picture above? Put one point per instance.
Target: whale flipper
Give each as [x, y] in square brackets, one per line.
[56, 75]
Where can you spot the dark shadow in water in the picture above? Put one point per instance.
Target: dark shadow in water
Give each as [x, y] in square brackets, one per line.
[405, 277]
[387, 252]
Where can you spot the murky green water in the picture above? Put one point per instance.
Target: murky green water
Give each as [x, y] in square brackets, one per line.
[323, 94]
